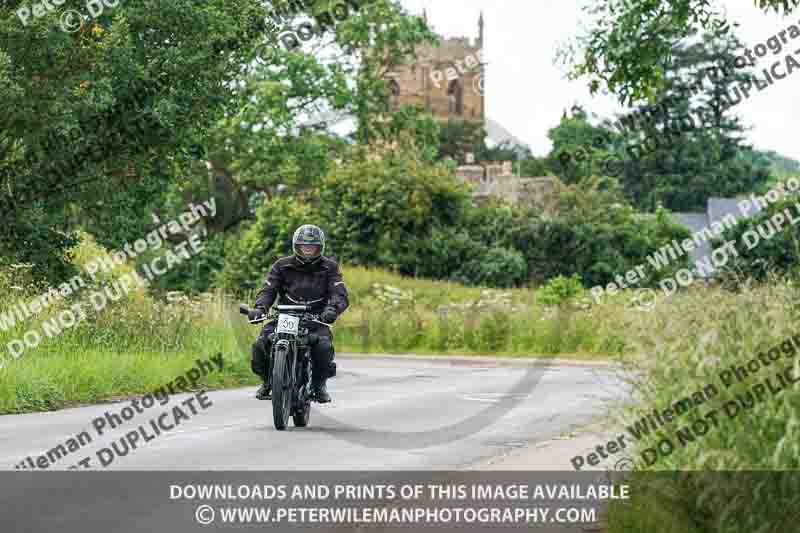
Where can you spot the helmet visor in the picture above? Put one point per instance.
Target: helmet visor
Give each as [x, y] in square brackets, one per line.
[309, 251]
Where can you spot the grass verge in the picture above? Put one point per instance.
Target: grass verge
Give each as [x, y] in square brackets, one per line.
[729, 440]
[136, 341]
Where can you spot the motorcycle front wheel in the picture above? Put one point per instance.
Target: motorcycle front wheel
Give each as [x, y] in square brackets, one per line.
[281, 387]
[303, 412]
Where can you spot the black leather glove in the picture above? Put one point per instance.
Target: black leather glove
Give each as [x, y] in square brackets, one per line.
[256, 313]
[328, 315]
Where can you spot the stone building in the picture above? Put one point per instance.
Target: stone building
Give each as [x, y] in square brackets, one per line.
[498, 180]
[446, 80]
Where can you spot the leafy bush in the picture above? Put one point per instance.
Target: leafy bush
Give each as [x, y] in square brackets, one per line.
[197, 275]
[396, 212]
[399, 212]
[493, 223]
[596, 234]
[382, 210]
[495, 267]
[43, 252]
[265, 241]
[559, 289]
[758, 257]
[453, 254]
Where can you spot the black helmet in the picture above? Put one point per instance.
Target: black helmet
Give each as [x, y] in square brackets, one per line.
[308, 243]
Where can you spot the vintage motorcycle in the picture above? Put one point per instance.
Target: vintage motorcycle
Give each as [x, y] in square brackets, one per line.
[290, 364]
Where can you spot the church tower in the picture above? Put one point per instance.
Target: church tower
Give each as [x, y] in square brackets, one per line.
[446, 80]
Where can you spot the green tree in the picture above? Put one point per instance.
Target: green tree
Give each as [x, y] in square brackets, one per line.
[693, 148]
[99, 121]
[410, 125]
[279, 135]
[579, 148]
[383, 206]
[596, 234]
[628, 47]
[102, 127]
[763, 249]
[264, 241]
[459, 137]
[780, 166]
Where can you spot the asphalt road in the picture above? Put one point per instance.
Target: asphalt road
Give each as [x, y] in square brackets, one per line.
[387, 414]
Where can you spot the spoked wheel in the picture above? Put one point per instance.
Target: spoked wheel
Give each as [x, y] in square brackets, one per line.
[303, 412]
[281, 388]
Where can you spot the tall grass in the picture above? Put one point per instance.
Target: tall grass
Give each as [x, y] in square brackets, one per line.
[143, 340]
[680, 350]
[394, 314]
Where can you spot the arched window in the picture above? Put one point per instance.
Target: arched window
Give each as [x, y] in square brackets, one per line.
[455, 93]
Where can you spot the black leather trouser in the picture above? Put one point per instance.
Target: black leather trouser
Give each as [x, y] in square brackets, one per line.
[322, 353]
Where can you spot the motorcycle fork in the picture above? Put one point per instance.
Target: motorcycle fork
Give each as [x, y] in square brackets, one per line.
[298, 368]
[303, 366]
[292, 346]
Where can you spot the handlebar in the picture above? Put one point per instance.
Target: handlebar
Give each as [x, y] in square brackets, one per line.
[291, 307]
[245, 310]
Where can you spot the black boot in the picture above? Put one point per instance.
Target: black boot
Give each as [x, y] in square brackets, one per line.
[264, 391]
[320, 392]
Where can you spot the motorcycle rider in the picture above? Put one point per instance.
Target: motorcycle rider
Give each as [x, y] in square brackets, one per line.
[307, 277]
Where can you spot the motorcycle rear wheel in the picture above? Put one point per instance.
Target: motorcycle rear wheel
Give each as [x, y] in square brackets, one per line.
[281, 388]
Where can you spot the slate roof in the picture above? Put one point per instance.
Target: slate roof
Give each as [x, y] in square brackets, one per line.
[696, 222]
[716, 210]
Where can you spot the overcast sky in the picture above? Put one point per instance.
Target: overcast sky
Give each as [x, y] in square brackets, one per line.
[526, 91]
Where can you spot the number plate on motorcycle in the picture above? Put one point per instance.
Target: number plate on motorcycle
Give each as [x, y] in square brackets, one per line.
[288, 324]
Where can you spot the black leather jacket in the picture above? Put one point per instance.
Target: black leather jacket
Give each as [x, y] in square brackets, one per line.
[292, 282]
